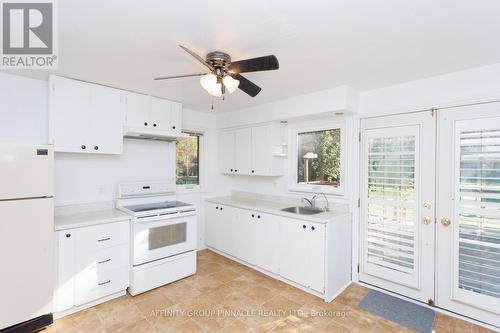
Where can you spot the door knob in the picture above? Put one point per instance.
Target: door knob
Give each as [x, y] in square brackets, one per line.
[445, 221]
[427, 220]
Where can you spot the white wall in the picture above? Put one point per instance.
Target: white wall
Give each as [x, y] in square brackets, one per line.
[23, 109]
[473, 85]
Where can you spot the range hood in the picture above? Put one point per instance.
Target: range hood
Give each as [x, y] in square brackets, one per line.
[153, 134]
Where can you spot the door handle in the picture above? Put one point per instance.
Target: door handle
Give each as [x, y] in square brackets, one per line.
[445, 221]
[427, 220]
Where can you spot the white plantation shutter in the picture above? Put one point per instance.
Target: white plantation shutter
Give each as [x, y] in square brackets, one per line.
[479, 212]
[391, 203]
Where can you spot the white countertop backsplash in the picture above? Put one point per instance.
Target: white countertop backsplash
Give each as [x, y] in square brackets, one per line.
[273, 204]
[84, 215]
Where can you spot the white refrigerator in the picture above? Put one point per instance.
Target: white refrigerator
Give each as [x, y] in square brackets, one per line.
[26, 236]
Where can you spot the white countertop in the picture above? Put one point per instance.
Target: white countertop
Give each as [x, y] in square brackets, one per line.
[79, 216]
[274, 207]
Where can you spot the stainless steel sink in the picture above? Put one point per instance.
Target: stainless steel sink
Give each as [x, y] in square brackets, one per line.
[302, 210]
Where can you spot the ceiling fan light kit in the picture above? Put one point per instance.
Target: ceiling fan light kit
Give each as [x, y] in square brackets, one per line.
[225, 75]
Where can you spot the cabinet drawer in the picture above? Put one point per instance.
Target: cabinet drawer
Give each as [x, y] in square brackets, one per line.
[92, 284]
[102, 236]
[103, 259]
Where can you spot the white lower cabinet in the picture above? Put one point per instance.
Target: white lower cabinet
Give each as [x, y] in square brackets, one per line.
[302, 253]
[92, 263]
[315, 256]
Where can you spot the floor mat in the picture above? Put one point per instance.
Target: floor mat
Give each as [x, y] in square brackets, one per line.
[404, 313]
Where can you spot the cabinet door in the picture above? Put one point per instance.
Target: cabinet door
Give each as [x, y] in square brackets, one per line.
[246, 235]
[176, 116]
[266, 231]
[65, 288]
[226, 152]
[106, 120]
[316, 261]
[261, 151]
[229, 230]
[137, 109]
[160, 113]
[294, 251]
[69, 115]
[242, 157]
[213, 225]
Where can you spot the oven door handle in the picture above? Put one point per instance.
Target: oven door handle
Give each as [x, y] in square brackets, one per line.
[165, 216]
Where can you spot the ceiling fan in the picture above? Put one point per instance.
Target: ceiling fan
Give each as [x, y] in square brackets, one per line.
[225, 75]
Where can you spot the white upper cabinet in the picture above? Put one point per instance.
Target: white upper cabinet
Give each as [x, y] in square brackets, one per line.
[226, 152]
[106, 120]
[146, 112]
[161, 111]
[242, 153]
[176, 116]
[69, 115]
[84, 117]
[252, 151]
[138, 109]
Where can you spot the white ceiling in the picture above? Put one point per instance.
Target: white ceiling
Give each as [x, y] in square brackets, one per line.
[320, 44]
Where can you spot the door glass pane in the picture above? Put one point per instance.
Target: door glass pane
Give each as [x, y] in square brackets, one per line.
[167, 235]
[391, 202]
[479, 212]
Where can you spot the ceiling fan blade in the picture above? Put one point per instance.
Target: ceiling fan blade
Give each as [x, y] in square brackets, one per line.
[247, 86]
[178, 76]
[200, 59]
[266, 63]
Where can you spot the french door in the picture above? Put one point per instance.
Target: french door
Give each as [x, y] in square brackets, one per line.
[468, 230]
[397, 203]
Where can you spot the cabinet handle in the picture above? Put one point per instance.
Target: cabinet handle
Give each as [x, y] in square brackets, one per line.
[103, 283]
[154, 125]
[104, 239]
[104, 261]
[303, 226]
[253, 171]
[235, 170]
[84, 147]
[253, 215]
[231, 170]
[312, 228]
[68, 235]
[173, 127]
[221, 208]
[258, 216]
[96, 147]
[145, 124]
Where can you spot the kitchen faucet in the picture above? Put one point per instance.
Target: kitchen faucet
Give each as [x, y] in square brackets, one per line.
[312, 201]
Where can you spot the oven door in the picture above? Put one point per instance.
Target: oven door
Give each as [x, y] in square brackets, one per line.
[161, 237]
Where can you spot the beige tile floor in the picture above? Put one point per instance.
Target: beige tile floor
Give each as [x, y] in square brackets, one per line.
[225, 296]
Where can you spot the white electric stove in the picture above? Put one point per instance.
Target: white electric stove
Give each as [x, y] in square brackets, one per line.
[163, 232]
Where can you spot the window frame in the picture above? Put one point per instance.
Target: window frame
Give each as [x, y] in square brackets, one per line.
[188, 188]
[316, 126]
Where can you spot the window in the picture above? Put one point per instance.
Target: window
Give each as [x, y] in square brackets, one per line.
[188, 157]
[316, 161]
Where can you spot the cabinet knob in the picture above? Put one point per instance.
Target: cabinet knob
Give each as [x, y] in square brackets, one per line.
[258, 216]
[303, 226]
[96, 147]
[84, 147]
[221, 208]
[253, 215]
[173, 127]
[312, 228]
[216, 207]
[235, 170]
[154, 125]
[145, 124]
[231, 170]
[68, 235]
[253, 171]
